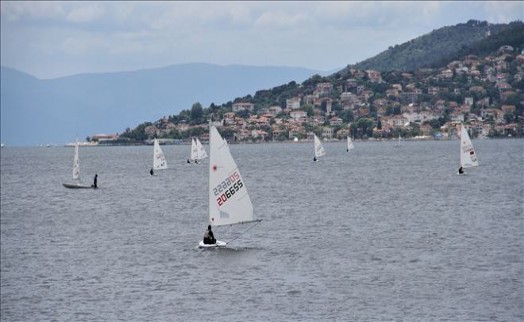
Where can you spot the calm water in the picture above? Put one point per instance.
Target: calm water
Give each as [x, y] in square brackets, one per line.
[382, 233]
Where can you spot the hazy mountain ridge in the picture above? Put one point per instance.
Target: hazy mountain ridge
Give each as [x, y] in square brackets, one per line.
[41, 111]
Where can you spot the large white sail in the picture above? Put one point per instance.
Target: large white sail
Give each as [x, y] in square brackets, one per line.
[201, 152]
[468, 157]
[319, 149]
[76, 164]
[229, 201]
[159, 160]
[349, 144]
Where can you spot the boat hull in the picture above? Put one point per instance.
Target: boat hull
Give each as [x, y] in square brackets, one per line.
[217, 245]
[77, 186]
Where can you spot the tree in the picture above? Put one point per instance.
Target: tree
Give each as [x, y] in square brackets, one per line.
[196, 113]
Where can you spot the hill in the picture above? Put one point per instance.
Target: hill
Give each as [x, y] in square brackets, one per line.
[482, 88]
[442, 45]
[42, 111]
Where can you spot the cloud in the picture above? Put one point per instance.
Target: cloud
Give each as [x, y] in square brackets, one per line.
[31, 10]
[107, 36]
[88, 12]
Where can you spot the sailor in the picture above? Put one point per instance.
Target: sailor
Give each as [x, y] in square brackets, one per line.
[151, 172]
[315, 159]
[95, 182]
[461, 170]
[209, 238]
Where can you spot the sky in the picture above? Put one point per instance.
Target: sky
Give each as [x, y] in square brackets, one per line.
[55, 39]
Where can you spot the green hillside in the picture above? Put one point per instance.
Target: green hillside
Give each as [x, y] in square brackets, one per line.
[443, 45]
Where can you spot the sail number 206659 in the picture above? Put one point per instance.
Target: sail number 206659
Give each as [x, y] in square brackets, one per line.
[227, 188]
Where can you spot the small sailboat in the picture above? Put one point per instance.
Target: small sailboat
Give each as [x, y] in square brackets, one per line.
[319, 149]
[77, 183]
[198, 153]
[468, 157]
[229, 201]
[398, 142]
[201, 152]
[349, 144]
[159, 159]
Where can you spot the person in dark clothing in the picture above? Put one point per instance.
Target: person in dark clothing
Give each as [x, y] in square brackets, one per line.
[461, 170]
[95, 185]
[209, 238]
[151, 172]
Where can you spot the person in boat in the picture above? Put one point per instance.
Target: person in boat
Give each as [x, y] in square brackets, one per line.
[188, 161]
[151, 172]
[315, 159]
[461, 170]
[95, 181]
[209, 238]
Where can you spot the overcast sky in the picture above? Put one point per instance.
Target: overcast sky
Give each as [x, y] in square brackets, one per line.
[54, 39]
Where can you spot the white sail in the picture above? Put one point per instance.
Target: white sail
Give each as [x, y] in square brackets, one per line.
[201, 152]
[349, 144]
[76, 164]
[229, 201]
[194, 150]
[319, 149]
[159, 160]
[468, 157]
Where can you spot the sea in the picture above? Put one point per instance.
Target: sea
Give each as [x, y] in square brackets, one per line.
[382, 233]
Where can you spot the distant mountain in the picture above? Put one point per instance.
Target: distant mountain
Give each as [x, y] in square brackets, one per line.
[439, 46]
[42, 111]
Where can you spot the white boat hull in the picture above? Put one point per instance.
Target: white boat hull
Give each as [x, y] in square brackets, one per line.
[217, 245]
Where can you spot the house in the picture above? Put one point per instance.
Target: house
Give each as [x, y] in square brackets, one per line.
[327, 133]
[374, 76]
[104, 137]
[447, 74]
[243, 106]
[334, 121]
[293, 103]
[432, 90]
[323, 89]
[297, 115]
[395, 121]
[274, 110]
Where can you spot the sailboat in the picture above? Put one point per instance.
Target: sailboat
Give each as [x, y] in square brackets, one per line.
[159, 159]
[194, 152]
[201, 152]
[349, 144]
[229, 201]
[468, 157]
[77, 183]
[198, 153]
[398, 142]
[319, 149]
